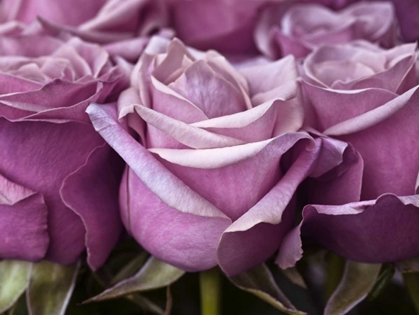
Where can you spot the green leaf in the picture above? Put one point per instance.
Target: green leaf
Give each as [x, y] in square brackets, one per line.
[153, 275]
[130, 268]
[144, 303]
[260, 282]
[412, 284]
[358, 279]
[382, 282]
[295, 277]
[50, 288]
[13, 282]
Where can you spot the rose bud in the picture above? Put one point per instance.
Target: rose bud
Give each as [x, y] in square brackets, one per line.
[214, 156]
[58, 178]
[297, 29]
[366, 96]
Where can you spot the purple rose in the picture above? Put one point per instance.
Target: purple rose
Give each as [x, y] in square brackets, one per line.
[214, 157]
[297, 29]
[366, 96]
[407, 12]
[121, 24]
[58, 179]
[224, 25]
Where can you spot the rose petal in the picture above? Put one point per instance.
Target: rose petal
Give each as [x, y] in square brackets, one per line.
[252, 125]
[40, 155]
[92, 193]
[228, 184]
[376, 231]
[265, 224]
[59, 11]
[145, 166]
[338, 172]
[156, 226]
[23, 222]
[53, 95]
[186, 134]
[212, 93]
[334, 106]
[389, 148]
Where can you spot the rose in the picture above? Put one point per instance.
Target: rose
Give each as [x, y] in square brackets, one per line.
[367, 96]
[407, 12]
[215, 156]
[298, 29]
[224, 25]
[121, 24]
[58, 179]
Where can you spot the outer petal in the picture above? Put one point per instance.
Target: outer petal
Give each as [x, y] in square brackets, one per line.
[387, 139]
[92, 193]
[262, 227]
[228, 182]
[23, 222]
[185, 227]
[335, 179]
[334, 106]
[187, 241]
[385, 230]
[50, 101]
[61, 11]
[40, 155]
[31, 46]
[115, 21]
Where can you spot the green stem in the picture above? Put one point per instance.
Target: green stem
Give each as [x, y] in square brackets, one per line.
[210, 292]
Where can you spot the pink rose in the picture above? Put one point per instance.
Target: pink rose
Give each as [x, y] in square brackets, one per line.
[297, 29]
[58, 179]
[214, 156]
[366, 96]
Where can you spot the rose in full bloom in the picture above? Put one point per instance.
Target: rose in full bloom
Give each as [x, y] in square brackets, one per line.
[121, 24]
[297, 29]
[214, 156]
[366, 96]
[58, 178]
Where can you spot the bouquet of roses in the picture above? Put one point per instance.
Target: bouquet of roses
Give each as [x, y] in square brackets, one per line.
[209, 157]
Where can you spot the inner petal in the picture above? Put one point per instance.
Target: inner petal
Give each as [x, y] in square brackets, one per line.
[209, 91]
